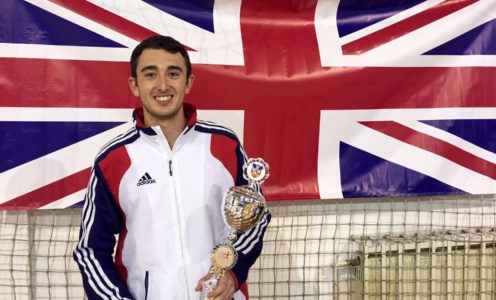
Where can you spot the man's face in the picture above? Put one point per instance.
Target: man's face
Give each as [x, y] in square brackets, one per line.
[161, 84]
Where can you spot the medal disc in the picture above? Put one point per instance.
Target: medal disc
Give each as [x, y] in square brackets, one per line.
[223, 257]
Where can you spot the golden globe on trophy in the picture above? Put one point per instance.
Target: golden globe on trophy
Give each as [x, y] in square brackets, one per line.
[244, 206]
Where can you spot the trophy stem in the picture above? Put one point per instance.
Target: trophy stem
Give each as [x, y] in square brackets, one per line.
[232, 235]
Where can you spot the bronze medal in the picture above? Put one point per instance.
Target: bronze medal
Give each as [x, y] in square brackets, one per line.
[223, 257]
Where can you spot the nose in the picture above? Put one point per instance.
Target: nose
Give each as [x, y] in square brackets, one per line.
[163, 82]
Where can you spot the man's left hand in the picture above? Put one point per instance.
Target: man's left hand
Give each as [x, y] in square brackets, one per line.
[225, 288]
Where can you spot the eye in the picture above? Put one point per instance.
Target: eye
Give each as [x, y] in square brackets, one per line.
[174, 74]
[150, 75]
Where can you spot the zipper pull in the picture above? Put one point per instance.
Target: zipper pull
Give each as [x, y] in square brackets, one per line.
[170, 167]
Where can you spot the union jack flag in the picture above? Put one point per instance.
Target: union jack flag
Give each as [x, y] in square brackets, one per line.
[342, 98]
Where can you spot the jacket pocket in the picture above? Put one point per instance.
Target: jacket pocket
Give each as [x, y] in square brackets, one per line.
[146, 285]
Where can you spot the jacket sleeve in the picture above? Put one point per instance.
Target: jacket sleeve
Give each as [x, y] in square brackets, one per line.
[248, 244]
[101, 221]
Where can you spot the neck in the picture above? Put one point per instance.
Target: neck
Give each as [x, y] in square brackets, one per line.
[171, 127]
[172, 130]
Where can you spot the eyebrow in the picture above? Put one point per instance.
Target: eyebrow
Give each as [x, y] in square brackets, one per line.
[149, 68]
[155, 68]
[174, 68]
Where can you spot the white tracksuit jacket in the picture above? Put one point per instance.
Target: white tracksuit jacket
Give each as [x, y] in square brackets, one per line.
[166, 206]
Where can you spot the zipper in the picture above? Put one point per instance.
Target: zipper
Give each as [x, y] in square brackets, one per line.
[175, 185]
[146, 285]
[169, 157]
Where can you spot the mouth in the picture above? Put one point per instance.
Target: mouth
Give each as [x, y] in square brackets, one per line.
[162, 98]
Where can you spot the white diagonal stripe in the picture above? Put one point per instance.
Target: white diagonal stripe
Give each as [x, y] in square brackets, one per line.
[64, 52]
[342, 126]
[66, 201]
[222, 47]
[450, 138]
[63, 114]
[422, 40]
[404, 51]
[84, 22]
[54, 166]
[389, 21]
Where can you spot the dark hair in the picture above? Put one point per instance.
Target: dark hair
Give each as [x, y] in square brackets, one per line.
[165, 43]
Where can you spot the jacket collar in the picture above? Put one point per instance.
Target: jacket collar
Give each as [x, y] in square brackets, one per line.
[139, 118]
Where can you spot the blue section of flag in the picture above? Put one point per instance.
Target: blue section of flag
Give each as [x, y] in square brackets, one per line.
[25, 141]
[478, 41]
[197, 12]
[354, 15]
[366, 175]
[25, 23]
[479, 132]
[80, 204]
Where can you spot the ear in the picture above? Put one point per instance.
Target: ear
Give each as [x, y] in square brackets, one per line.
[133, 85]
[189, 83]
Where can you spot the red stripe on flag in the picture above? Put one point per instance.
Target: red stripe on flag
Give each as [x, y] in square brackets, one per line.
[49, 193]
[434, 145]
[277, 89]
[405, 26]
[73, 83]
[65, 83]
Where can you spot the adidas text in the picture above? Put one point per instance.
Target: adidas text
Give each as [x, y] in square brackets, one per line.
[146, 181]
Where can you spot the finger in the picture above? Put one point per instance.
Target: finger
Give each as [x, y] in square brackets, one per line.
[224, 290]
[214, 293]
[217, 291]
[224, 295]
[199, 285]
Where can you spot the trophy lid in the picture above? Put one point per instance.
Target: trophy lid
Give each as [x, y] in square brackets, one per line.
[245, 192]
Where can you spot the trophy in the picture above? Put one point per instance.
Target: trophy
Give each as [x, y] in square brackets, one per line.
[244, 206]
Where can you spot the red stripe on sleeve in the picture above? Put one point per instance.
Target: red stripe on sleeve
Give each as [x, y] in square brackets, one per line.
[224, 149]
[244, 290]
[113, 168]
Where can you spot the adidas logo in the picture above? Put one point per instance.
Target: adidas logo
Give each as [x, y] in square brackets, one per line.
[145, 179]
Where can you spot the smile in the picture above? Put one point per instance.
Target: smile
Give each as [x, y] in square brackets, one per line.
[163, 98]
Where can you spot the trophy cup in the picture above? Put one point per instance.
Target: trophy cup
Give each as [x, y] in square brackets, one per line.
[244, 206]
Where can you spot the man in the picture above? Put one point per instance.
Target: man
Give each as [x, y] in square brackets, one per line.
[159, 186]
